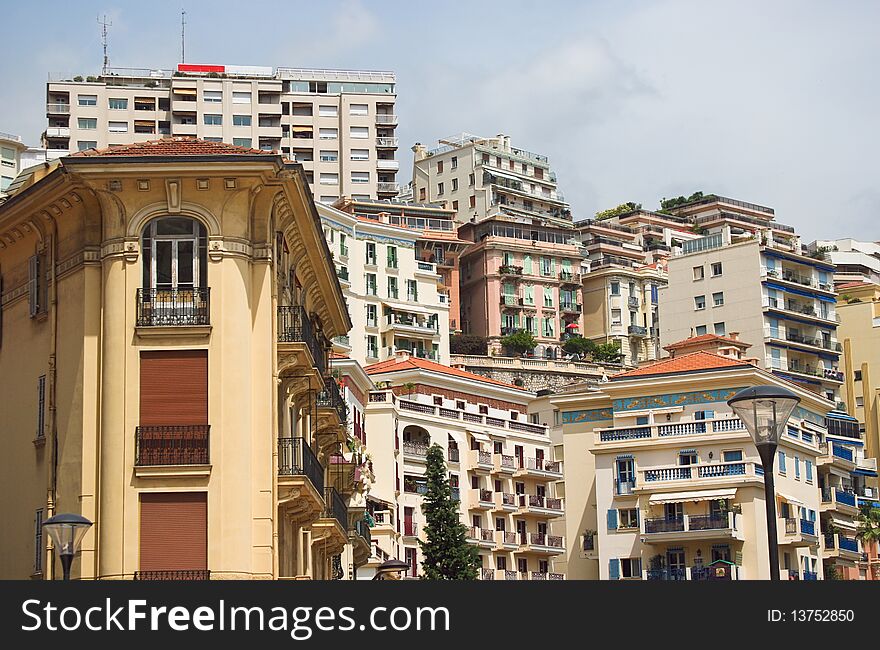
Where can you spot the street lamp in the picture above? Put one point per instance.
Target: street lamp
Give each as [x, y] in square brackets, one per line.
[66, 531]
[390, 569]
[764, 410]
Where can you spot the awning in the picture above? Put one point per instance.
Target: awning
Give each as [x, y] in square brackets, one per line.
[145, 122]
[189, 92]
[302, 129]
[791, 500]
[500, 174]
[843, 523]
[406, 306]
[572, 326]
[697, 495]
[479, 437]
[864, 472]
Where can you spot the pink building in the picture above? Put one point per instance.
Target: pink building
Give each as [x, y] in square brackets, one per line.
[520, 276]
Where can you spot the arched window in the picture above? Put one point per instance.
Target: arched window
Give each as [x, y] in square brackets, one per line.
[175, 254]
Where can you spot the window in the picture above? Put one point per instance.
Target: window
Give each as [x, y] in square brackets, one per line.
[392, 287]
[329, 198]
[359, 132]
[628, 518]
[616, 317]
[454, 184]
[372, 318]
[118, 104]
[87, 123]
[82, 145]
[343, 248]
[688, 457]
[808, 470]
[360, 177]
[700, 330]
[361, 154]
[720, 329]
[699, 302]
[327, 178]
[371, 283]
[328, 111]
[857, 375]
[37, 286]
[5, 182]
[642, 420]
[213, 119]
[212, 96]
[87, 100]
[631, 568]
[412, 291]
[473, 201]
[241, 97]
[471, 180]
[548, 327]
[455, 205]
[371, 253]
[797, 468]
[698, 272]
[733, 456]
[716, 269]
[328, 134]
[615, 288]
[439, 166]
[242, 142]
[328, 155]
[782, 468]
[241, 120]
[38, 541]
[391, 255]
[175, 256]
[860, 401]
[718, 299]
[41, 407]
[439, 188]
[358, 109]
[118, 127]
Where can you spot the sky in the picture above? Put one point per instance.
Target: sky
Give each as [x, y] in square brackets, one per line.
[773, 102]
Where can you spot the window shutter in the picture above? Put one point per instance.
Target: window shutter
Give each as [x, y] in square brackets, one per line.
[612, 519]
[614, 569]
[34, 285]
[637, 516]
[174, 531]
[637, 566]
[174, 388]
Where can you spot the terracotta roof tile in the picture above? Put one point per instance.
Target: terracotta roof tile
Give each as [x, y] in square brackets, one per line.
[695, 361]
[395, 365]
[176, 146]
[704, 338]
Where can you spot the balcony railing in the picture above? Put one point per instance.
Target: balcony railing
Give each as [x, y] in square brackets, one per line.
[667, 574]
[847, 544]
[410, 529]
[637, 330]
[702, 471]
[332, 398]
[294, 326]
[664, 525]
[452, 455]
[509, 269]
[173, 307]
[296, 458]
[172, 445]
[174, 575]
[570, 307]
[415, 448]
[568, 277]
[543, 465]
[362, 528]
[697, 427]
[335, 508]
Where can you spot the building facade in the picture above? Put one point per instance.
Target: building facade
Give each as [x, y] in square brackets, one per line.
[340, 124]
[749, 274]
[499, 465]
[397, 301]
[853, 260]
[166, 311]
[672, 487]
[11, 150]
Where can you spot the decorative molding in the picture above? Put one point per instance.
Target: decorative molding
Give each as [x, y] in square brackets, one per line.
[588, 415]
[673, 399]
[173, 194]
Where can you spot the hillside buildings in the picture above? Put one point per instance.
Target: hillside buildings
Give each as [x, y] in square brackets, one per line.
[853, 260]
[340, 124]
[166, 311]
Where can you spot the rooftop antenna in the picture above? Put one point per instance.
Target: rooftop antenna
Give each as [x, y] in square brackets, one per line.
[183, 36]
[104, 25]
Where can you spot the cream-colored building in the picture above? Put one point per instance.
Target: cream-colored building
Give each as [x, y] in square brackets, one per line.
[486, 177]
[11, 150]
[749, 274]
[340, 124]
[166, 311]
[670, 484]
[397, 301]
[854, 260]
[499, 462]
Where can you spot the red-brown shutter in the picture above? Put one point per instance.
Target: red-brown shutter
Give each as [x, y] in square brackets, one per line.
[174, 387]
[174, 531]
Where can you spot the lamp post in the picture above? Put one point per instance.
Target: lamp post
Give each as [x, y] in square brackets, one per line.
[764, 410]
[390, 569]
[66, 531]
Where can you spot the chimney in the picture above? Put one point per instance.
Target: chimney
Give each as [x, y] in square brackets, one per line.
[418, 150]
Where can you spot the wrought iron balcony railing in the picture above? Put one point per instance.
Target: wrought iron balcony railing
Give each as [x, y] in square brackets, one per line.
[296, 458]
[172, 445]
[331, 397]
[294, 326]
[189, 574]
[335, 508]
[173, 307]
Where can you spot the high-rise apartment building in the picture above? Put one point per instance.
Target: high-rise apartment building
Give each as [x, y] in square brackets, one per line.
[166, 310]
[396, 300]
[485, 177]
[340, 124]
[500, 466]
[749, 274]
[854, 260]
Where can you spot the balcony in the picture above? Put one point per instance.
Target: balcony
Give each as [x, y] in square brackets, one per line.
[713, 572]
[810, 370]
[729, 473]
[57, 108]
[173, 307]
[837, 499]
[538, 506]
[633, 302]
[383, 164]
[330, 530]
[331, 399]
[539, 468]
[411, 325]
[721, 525]
[481, 499]
[505, 501]
[511, 301]
[410, 529]
[58, 132]
[505, 574]
[567, 277]
[542, 543]
[417, 450]
[362, 544]
[294, 327]
[481, 536]
[797, 532]
[174, 575]
[656, 431]
[452, 455]
[386, 118]
[570, 308]
[838, 545]
[506, 540]
[637, 330]
[504, 464]
[386, 143]
[172, 445]
[387, 188]
[300, 480]
[335, 508]
[481, 460]
[509, 269]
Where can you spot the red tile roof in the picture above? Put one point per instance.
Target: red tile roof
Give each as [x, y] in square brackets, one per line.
[176, 146]
[852, 285]
[704, 338]
[396, 365]
[694, 362]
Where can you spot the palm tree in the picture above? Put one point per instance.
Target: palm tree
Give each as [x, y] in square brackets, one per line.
[869, 528]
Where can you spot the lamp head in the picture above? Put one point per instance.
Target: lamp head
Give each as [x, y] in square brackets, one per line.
[765, 411]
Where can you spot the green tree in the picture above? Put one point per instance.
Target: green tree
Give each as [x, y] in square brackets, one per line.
[608, 353]
[519, 342]
[447, 555]
[668, 204]
[623, 208]
[468, 344]
[869, 525]
[579, 345]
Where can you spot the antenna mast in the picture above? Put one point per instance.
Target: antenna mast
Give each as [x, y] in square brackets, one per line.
[183, 36]
[104, 25]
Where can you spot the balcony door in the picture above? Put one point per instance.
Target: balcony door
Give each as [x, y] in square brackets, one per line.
[675, 562]
[175, 254]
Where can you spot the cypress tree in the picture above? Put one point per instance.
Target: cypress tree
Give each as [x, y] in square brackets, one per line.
[447, 555]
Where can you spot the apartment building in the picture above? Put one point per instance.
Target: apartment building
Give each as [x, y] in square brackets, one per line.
[499, 465]
[520, 276]
[340, 124]
[11, 150]
[853, 260]
[396, 300]
[485, 177]
[671, 486]
[437, 244]
[166, 311]
[749, 274]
